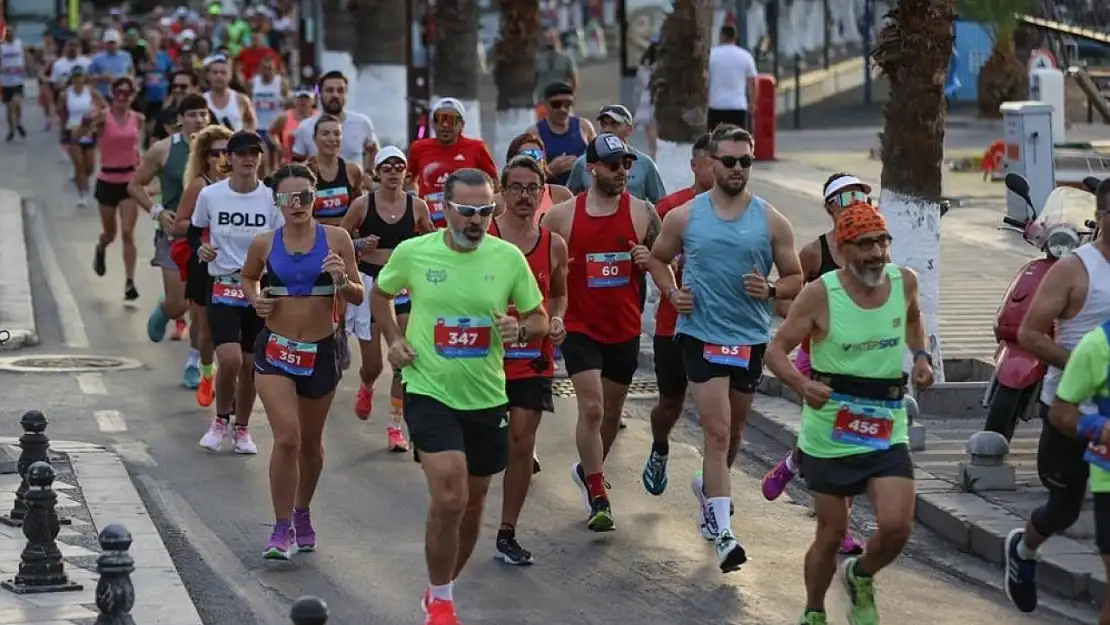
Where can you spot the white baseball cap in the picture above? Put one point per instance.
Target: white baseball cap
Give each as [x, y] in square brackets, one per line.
[112, 36]
[388, 152]
[450, 104]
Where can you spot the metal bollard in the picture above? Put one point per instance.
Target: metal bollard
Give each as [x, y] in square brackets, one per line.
[115, 594]
[34, 446]
[987, 468]
[309, 611]
[916, 430]
[41, 568]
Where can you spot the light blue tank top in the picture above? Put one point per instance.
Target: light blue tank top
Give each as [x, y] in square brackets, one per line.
[717, 254]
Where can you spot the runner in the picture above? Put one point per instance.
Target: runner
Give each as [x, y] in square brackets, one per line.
[1084, 382]
[644, 181]
[564, 133]
[339, 182]
[529, 367]
[63, 67]
[729, 239]
[268, 92]
[285, 125]
[48, 97]
[853, 437]
[182, 83]
[167, 159]
[530, 144]
[208, 164]
[76, 104]
[433, 159]
[452, 358]
[13, 71]
[380, 221]
[608, 233]
[360, 143]
[818, 257]
[670, 372]
[295, 355]
[1072, 300]
[110, 64]
[235, 210]
[231, 108]
[117, 129]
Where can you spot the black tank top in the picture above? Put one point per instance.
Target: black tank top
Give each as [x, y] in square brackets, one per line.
[827, 262]
[389, 235]
[333, 197]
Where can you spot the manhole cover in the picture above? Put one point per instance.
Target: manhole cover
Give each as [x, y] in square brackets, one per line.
[642, 386]
[46, 363]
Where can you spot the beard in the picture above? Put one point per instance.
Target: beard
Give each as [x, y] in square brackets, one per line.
[332, 106]
[731, 187]
[468, 237]
[870, 275]
[611, 188]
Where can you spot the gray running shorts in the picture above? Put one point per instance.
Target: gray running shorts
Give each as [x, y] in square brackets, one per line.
[162, 256]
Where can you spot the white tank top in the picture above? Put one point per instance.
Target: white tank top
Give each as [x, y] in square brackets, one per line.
[1095, 312]
[229, 115]
[13, 67]
[266, 98]
[78, 105]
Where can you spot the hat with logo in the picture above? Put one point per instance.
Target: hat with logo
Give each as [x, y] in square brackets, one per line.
[617, 113]
[388, 152]
[244, 141]
[608, 148]
[450, 104]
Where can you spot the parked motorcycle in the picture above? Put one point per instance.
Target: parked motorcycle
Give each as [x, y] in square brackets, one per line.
[1062, 224]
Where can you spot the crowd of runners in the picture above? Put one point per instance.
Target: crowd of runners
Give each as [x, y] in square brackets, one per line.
[282, 228]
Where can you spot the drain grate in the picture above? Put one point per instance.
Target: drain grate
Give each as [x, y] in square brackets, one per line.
[66, 364]
[642, 386]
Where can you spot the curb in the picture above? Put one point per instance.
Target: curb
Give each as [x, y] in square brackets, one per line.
[17, 311]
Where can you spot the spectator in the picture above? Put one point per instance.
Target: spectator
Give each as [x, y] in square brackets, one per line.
[645, 107]
[732, 75]
[553, 65]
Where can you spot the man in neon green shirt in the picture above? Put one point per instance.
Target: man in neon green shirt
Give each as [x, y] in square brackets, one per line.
[462, 283]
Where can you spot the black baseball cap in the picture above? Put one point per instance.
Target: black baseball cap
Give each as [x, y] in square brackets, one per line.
[608, 148]
[244, 141]
[557, 88]
[617, 113]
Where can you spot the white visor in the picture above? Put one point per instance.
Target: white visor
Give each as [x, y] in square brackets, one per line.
[843, 182]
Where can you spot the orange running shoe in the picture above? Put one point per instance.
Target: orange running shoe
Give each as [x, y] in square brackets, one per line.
[441, 612]
[179, 330]
[206, 391]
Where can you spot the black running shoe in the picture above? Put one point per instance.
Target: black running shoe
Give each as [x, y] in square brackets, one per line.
[99, 265]
[1020, 576]
[509, 550]
[130, 293]
[22, 132]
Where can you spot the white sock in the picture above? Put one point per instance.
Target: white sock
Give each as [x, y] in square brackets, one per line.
[1024, 552]
[790, 464]
[443, 593]
[720, 507]
[194, 358]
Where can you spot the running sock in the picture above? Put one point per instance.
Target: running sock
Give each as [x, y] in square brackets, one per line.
[506, 531]
[443, 593]
[224, 417]
[661, 448]
[396, 410]
[720, 507]
[1024, 552]
[194, 358]
[595, 486]
[790, 463]
[207, 370]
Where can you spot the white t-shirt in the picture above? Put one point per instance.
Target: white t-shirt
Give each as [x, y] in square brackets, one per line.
[63, 67]
[730, 68]
[13, 65]
[266, 97]
[233, 220]
[358, 132]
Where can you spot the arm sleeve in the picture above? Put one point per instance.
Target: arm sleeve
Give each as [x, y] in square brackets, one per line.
[1085, 375]
[393, 277]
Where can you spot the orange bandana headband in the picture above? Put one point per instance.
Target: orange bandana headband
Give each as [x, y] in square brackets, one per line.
[858, 219]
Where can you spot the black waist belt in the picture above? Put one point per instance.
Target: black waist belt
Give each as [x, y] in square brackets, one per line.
[865, 388]
[117, 170]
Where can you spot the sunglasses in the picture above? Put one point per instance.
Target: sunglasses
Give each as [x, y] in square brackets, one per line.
[181, 87]
[535, 154]
[217, 152]
[285, 199]
[730, 162]
[625, 164]
[469, 210]
[124, 93]
[446, 118]
[391, 168]
[847, 198]
[560, 104]
[866, 244]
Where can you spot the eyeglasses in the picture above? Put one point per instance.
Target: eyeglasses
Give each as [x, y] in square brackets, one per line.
[285, 199]
[848, 198]
[217, 152]
[625, 164]
[730, 162]
[124, 93]
[391, 168]
[560, 104]
[535, 154]
[177, 86]
[866, 244]
[469, 210]
[518, 189]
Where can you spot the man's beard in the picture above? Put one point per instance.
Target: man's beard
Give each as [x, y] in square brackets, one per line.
[871, 276]
[729, 189]
[611, 188]
[333, 107]
[463, 240]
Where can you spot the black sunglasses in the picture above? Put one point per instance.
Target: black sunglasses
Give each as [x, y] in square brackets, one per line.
[624, 163]
[217, 152]
[745, 161]
[560, 104]
[469, 210]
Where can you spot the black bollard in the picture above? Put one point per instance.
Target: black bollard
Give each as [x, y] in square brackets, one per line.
[309, 611]
[41, 568]
[115, 594]
[33, 446]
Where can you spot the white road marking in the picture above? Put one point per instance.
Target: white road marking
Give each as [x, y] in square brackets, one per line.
[91, 384]
[110, 421]
[69, 314]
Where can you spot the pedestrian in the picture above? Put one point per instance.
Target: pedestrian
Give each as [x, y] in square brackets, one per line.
[645, 99]
[553, 65]
[295, 356]
[111, 64]
[732, 73]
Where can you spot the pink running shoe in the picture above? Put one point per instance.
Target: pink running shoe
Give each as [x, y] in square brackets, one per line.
[395, 439]
[364, 402]
[850, 546]
[776, 480]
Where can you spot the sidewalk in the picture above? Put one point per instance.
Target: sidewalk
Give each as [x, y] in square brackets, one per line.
[17, 312]
[94, 490]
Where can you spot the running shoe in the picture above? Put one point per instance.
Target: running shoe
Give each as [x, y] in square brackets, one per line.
[281, 545]
[241, 438]
[206, 391]
[100, 265]
[156, 324]
[1020, 574]
[364, 402]
[776, 480]
[395, 439]
[813, 618]
[302, 527]
[535, 462]
[22, 132]
[730, 553]
[706, 523]
[180, 328]
[655, 474]
[509, 550]
[213, 439]
[130, 293]
[861, 595]
[850, 546]
[579, 477]
[624, 425]
[441, 612]
[191, 375]
[601, 516]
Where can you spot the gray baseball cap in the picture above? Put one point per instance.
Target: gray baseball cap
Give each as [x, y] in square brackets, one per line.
[608, 148]
[617, 113]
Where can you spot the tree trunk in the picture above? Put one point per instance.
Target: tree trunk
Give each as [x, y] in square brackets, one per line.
[515, 71]
[913, 51]
[1003, 78]
[339, 38]
[680, 88]
[381, 87]
[455, 58]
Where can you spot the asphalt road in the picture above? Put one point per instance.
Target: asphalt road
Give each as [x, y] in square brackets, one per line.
[214, 508]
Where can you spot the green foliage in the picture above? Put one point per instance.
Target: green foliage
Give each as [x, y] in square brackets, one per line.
[999, 17]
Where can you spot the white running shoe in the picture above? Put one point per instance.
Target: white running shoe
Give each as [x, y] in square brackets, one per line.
[706, 523]
[730, 553]
[241, 439]
[213, 439]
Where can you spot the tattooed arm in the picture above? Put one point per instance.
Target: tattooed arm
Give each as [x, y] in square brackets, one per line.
[652, 224]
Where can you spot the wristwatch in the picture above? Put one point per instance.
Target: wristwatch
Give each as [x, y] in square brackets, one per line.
[522, 334]
[339, 286]
[156, 210]
[772, 290]
[922, 353]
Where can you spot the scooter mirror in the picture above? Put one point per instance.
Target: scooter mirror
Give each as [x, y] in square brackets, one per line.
[1019, 186]
[1091, 183]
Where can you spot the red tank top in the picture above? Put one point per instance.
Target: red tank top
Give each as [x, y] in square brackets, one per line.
[603, 285]
[535, 359]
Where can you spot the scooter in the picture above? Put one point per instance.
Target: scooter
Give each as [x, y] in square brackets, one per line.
[1056, 231]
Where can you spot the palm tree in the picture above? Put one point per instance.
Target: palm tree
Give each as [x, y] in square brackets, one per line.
[339, 32]
[1003, 77]
[455, 57]
[379, 54]
[913, 51]
[680, 87]
[515, 70]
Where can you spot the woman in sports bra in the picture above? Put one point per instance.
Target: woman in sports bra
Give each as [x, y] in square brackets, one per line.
[338, 182]
[295, 356]
[380, 221]
[530, 144]
[207, 165]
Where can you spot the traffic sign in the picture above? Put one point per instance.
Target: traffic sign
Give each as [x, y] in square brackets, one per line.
[1041, 59]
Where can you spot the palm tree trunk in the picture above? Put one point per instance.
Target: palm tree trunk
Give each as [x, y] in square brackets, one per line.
[381, 88]
[455, 58]
[914, 50]
[339, 38]
[515, 71]
[680, 88]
